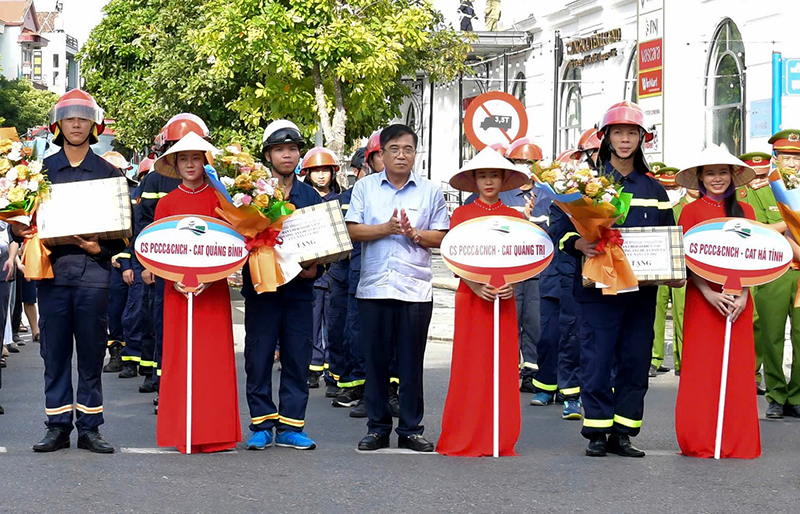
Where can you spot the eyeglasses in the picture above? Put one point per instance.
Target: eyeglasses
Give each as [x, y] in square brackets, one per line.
[408, 151]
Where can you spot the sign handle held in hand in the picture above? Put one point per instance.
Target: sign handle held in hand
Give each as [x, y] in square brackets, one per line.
[189, 360]
[496, 381]
[723, 388]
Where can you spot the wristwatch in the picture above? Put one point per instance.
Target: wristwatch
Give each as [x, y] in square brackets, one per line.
[417, 238]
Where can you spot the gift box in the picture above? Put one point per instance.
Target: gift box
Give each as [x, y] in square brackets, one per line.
[316, 233]
[101, 207]
[654, 253]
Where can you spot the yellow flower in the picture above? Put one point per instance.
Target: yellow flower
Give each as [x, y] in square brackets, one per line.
[605, 182]
[279, 195]
[549, 176]
[243, 182]
[592, 188]
[22, 172]
[16, 194]
[5, 145]
[5, 165]
[572, 190]
[261, 201]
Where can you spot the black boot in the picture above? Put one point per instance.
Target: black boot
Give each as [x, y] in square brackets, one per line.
[115, 358]
[55, 439]
[597, 446]
[147, 386]
[129, 370]
[621, 445]
[394, 399]
[313, 379]
[360, 410]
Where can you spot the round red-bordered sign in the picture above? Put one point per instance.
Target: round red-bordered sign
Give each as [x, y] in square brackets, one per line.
[495, 117]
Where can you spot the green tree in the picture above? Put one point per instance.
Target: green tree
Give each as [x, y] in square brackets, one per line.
[333, 64]
[23, 106]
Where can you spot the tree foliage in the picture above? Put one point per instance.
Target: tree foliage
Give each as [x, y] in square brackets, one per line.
[331, 64]
[23, 106]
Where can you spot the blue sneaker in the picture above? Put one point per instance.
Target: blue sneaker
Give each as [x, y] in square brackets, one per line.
[296, 440]
[542, 398]
[260, 440]
[572, 410]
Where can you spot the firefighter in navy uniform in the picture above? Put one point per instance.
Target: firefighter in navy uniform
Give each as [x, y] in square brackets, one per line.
[137, 318]
[284, 315]
[618, 328]
[74, 304]
[343, 319]
[155, 187]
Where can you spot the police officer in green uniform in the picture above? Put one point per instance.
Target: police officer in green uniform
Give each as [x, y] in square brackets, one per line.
[759, 195]
[679, 197]
[775, 301]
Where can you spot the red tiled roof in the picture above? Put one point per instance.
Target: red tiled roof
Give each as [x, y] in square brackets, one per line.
[47, 21]
[13, 11]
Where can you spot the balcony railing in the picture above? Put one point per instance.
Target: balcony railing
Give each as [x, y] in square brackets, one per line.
[72, 42]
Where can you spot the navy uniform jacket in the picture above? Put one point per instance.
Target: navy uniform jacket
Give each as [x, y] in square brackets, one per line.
[650, 206]
[301, 195]
[152, 188]
[124, 258]
[71, 265]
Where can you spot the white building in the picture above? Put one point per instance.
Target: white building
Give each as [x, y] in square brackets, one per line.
[568, 61]
[20, 42]
[61, 72]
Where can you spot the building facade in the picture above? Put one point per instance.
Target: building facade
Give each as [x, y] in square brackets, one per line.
[21, 44]
[705, 75]
[61, 71]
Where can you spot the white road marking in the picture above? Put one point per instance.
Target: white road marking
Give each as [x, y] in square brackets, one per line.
[393, 451]
[661, 453]
[161, 451]
[3, 449]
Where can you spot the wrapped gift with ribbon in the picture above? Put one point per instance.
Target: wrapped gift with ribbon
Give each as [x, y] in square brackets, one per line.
[258, 211]
[594, 203]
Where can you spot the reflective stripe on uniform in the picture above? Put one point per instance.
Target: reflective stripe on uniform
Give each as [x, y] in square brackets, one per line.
[89, 410]
[260, 419]
[571, 391]
[316, 368]
[122, 255]
[632, 423]
[394, 380]
[598, 423]
[153, 196]
[58, 410]
[544, 387]
[112, 341]
[345, 206]
[565, 238]
[650, 202]
[354, 383]
[158, 372]
[130, 358]
[335, 377]
[292, 422]
[529, 365]
[147, 364]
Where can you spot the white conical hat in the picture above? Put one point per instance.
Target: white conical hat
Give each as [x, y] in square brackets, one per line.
[488, 159]
[711, 155]
[165, 165]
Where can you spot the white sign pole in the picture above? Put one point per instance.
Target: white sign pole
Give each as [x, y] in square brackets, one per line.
[723, 388]
[496, 385]
[189, 345]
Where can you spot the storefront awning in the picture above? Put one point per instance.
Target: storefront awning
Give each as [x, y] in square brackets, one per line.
[31, 40]
[490, 44]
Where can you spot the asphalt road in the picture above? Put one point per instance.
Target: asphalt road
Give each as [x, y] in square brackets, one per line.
[550, 475]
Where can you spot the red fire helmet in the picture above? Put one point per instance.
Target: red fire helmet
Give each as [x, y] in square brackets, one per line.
[568, 156]
[373, 145]
[317, 157]
[76, 104]
[589, 140]
[146, 165]
[624, 113]
[523, 149]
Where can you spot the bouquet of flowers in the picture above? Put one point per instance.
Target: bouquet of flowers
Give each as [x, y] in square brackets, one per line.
[594, 203]
[258, 211]
[23, 182]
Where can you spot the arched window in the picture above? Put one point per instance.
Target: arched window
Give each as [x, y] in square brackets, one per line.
[519, 87]
[725, 89]
[570, 130]
[632, 79]
[411, 117]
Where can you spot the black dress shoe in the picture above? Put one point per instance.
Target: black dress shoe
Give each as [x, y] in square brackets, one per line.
[597, 446]
[415, 442]
[775, 410]
[55, 439]
[760, 389]
[12, 347]
[621, 445]
[791, 410]
[663, 369]
[147, 386]
[359, 411]
[373, 442]
[653, 372]
[94, 442]
[1, 410]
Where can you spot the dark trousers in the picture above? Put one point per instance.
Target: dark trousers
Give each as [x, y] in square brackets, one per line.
[136, 321]
[267, 319]
[116, 306]
[389, 326]
[336, 323]
[528, 317]
[546, 378]
[5, 299]
[158, 325]
[355, 374]
[70, 313]
[569, 346]
[618, 329]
